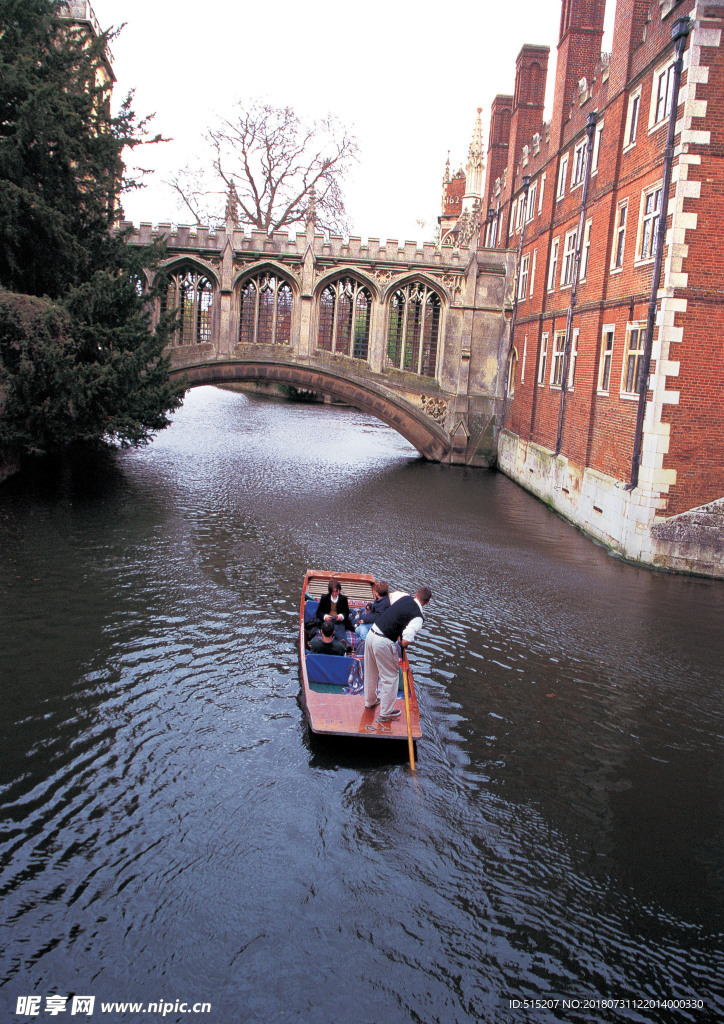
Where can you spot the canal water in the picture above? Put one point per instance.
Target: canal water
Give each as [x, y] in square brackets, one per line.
[172, 833]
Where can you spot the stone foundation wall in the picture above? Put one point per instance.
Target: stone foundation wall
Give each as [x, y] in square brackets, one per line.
[624, 521]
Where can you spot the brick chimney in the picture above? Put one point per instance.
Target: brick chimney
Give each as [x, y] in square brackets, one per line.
[579, 50]
[628, 29]
[531, 72]
[501, 111]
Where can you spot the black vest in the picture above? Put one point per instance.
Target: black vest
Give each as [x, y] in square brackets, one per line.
[393, 621]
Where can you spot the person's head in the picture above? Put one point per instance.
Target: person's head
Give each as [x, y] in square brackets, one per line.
[382, 588]
[328, 630]
[334, 586]
[423, 595]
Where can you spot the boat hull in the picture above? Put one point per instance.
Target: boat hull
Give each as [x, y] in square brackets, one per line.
[334, 710]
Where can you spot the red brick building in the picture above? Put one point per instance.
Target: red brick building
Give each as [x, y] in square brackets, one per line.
[613, 410]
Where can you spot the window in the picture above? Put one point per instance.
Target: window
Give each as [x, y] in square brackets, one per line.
[553, 269]
[557, 361]
[569, 258]
[532, 278]
[414, 327]
[522, 365]
[573, 358]
[562, 172]
[344, 318]
[530, 209]
[521, 212]
[523, 279]
[585, 251]
[543, 358]
[650, 210]
[604, 366]
[579, 164]
[265, 310]
[632, 359]
[632, 119]
[619, 236]
[596, 148]
[540, 197]
[661, 95]
[190, 292]
[512, 366]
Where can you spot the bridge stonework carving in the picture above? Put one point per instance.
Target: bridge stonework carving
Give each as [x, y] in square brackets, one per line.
[408, 334]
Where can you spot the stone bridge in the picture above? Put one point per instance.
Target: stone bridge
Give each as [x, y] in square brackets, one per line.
[412, 335]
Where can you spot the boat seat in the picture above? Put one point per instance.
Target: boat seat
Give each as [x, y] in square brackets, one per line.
[329, 669]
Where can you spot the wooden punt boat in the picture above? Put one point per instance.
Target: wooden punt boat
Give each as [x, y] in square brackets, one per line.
[332, 685]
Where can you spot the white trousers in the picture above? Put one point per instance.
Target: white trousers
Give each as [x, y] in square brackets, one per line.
[382, 664]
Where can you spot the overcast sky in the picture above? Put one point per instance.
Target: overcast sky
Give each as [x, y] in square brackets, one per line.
[406, 77]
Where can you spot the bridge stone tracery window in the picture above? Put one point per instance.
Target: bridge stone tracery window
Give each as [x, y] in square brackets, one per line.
[190, 292]
[414, 328]
[345, 308]
[265, 310]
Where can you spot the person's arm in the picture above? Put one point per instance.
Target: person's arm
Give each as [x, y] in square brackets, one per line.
[410, 631]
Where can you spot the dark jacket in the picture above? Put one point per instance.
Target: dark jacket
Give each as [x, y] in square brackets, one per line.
[318, 646]
[325, 604]
[375, 610]
[392, 622]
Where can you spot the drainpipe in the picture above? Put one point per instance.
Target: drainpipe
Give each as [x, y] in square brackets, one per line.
[590, 131]
[679, 33]
[526, 186]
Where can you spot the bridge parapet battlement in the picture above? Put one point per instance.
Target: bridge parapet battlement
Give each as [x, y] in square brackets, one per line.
[355, 248]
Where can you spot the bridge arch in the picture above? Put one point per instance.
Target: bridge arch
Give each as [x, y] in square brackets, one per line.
[178, 262]
[267, 267]
[412, 278]
[412, 423]
[343, 270]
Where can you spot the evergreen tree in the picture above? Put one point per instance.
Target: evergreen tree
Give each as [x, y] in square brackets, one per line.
[85, 364]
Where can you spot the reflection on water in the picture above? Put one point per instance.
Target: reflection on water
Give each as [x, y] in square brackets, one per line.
[171, 830]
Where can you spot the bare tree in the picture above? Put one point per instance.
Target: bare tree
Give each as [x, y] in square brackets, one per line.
[277, 165]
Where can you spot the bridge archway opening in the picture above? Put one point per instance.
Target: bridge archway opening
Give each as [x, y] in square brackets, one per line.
[424, 435]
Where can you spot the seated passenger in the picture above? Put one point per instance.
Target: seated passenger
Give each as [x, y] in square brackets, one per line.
[334, 607]
[325, 641]
[373, 609]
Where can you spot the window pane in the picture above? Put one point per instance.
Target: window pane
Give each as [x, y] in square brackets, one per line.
[284, 315]
[247, 314]
[362, 324]
[326, 319]
[429, 339]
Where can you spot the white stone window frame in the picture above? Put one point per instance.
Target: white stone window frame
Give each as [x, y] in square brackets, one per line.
[512, 367]
[596, 154]
[648, 224]
[658, 108]
[633, 120]
[562, 175]
[605, 362]
[569, 258]
[575, 333]
[631, 326]
[542, 189]
[557, 357]
[543, 359]
[530, 205]
[532, 271]
[578, 170]
[523, 280]
[553, 268]
[520, 219]
[619, 235]
[585, 249]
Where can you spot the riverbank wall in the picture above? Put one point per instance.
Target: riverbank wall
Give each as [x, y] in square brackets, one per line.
[624, 521]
